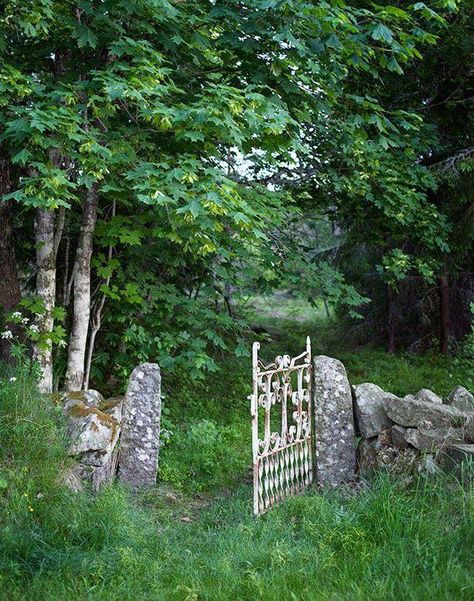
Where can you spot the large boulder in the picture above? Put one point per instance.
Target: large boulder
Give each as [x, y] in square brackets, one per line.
[413, 413]
[370, 415]
[461, 399]
[139, 445]
[334, 429]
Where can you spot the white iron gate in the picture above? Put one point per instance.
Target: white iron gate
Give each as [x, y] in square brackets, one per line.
[281, 440]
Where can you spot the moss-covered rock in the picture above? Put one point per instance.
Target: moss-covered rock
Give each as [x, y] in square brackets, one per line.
[94, 434]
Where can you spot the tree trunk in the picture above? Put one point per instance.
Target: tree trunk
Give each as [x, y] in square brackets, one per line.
[82, 294]
[444, 316]
[228, 299]
[326, 306]
[46, 290]
[9, 284]
[96, 317]
[391, 319]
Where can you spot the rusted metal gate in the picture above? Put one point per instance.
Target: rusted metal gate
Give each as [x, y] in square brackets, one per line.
[281, 427]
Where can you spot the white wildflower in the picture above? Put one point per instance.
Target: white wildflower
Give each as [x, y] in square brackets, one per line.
[34, 328]
[7, 335]
[16, 314]
[13, 379]
[24, 320]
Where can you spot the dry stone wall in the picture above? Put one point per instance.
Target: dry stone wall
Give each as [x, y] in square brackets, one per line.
[116, 435]
[415, 426]
[420, 430]
[120, 435]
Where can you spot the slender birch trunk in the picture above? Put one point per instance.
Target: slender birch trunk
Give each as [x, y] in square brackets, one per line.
[96, 317]
[82, 294]
[9, 283]
[46, 290]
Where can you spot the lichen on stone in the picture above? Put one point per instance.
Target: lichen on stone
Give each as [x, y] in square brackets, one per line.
[79, 410]
[110, 403]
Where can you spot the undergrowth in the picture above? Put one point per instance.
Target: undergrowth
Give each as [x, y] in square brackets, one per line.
[397, 537]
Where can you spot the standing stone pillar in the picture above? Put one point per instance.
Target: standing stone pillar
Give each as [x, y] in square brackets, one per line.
[140, 439]
[334, 423]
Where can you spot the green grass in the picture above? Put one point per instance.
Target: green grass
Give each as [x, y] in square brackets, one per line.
[394, 541]
[193, 537]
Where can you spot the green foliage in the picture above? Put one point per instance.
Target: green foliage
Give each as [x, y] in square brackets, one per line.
[422, 226]
[180, 114]
[28, 324]
[133, 331]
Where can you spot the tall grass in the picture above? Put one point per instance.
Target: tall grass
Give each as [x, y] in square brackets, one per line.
[44, 527]
[392, 541]
[409, 537]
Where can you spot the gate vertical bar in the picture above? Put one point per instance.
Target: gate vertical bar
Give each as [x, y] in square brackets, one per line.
[309, 382]
[254, 411]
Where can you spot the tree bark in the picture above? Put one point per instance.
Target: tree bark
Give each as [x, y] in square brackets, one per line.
[96, 317]
[82, 294]
[444, 314]
[228, 299]
[10, 294]
[59, 230]
[391, 319]
[46, 290]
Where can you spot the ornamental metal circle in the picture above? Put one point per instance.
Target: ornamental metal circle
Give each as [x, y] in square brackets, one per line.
[280, 406]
